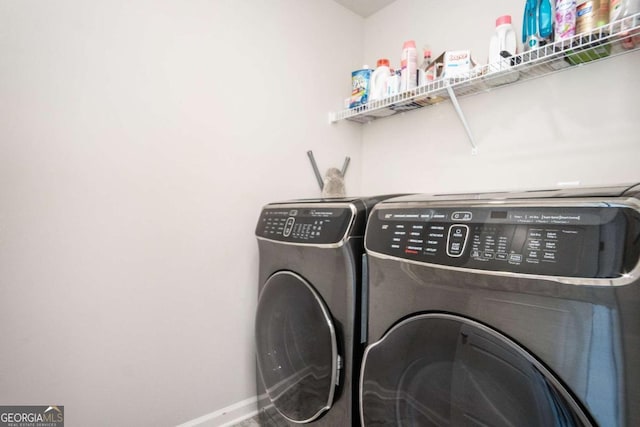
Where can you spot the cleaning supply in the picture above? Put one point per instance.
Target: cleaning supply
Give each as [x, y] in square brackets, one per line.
[502, 40]
[565, 21]
[360, 80]
[425, 75]
[457, 64]
[537, 25]
[545, 21]
[380, 80]
[620, 9]
[591, 14]
[409, 66]
[393, 83]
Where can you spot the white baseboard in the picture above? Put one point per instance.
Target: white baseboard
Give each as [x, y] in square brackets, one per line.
[228, 416]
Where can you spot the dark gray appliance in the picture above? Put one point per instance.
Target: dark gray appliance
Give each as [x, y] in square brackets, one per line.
[307, 326]
[504, 310]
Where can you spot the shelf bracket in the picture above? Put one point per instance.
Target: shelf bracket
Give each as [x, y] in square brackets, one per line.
[456, 105]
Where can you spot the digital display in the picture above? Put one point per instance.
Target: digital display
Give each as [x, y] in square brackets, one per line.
[499, 214]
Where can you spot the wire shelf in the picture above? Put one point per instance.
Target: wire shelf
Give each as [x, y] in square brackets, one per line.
[603, 42]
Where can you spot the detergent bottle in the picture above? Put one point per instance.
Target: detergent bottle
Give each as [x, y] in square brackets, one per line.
[503, 40]
[380, 80]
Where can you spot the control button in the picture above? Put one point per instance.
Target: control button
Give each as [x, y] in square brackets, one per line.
[293, 212]
[533, 254]
[535, 234]
[288, 226]
[551, 235]
[395, 246]
[550, 245]
[457, 239]
[488, 255]
[533, 244]
[517, 258]
[502, 256]
[461, 216]
[549, 256]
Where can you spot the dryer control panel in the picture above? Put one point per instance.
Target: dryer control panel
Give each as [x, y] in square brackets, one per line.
[304, 224]
[559, 241]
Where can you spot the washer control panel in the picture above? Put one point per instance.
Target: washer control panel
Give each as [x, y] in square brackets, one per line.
[300, 224]
[560, 241]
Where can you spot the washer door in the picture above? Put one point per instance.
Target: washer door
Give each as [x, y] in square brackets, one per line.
[445, 370]
[296, 348]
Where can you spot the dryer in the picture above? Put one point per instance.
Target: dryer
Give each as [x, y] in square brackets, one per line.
[507, 309]
[308, 319]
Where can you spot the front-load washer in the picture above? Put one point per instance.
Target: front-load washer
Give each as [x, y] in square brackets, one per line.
[308, 320]
[504, 310]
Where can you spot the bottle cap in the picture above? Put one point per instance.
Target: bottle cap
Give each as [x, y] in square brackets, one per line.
[504, 19]
[382, 62]
[427, 53]
[409, 43]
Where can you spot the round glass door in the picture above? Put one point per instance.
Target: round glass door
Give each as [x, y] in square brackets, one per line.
[296, 348]
[445, 370]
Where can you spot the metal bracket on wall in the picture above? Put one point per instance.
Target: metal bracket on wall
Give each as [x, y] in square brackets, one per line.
[456, 105]
[316, 172]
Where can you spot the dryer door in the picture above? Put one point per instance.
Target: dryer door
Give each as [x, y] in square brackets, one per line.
[296, 348]
[445, 370]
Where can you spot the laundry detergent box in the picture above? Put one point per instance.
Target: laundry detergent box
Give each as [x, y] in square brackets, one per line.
[457, 63]
[360, 82]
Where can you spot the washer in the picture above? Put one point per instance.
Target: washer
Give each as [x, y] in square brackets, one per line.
[504, 310]
[308, 319]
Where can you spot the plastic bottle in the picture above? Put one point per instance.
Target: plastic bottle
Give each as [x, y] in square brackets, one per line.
[621, 9]
[380, 80]
[503, 40]
[393, 84]
[565, 19]
[424, 74]
[409, 65]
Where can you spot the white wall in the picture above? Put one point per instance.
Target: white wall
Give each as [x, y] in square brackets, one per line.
[138, 141]
[576, 126]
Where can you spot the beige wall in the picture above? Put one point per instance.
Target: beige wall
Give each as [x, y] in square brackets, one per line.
[576, 126]
[138, 141]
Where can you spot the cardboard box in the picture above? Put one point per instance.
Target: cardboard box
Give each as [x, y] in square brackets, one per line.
[452, 64]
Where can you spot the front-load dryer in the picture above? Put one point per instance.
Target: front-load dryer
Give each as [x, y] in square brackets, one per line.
[504, 310]
[307, 325]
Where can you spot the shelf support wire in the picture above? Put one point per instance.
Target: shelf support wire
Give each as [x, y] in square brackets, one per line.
[316, 172]
[456, 105]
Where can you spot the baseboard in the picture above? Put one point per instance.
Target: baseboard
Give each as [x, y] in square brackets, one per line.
[228, 416]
